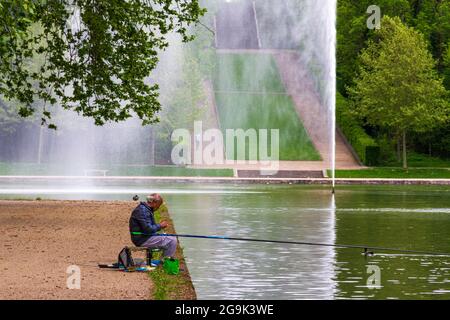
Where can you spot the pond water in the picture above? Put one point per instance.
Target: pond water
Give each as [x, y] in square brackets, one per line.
[405, 217]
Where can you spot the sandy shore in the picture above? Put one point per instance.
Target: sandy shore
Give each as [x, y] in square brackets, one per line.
[39, 240]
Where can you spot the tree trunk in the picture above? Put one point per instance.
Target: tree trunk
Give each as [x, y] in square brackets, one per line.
[399, 148]
[40, 144]
[405, 163]
[152, 146]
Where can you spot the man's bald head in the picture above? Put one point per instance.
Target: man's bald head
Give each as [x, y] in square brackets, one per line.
[154, 200]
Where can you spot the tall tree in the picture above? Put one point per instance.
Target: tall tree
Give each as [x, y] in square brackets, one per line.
[184, 99]
[352, 33]
[447, 66]
[433, 20]
[397, 87]
[98, 54]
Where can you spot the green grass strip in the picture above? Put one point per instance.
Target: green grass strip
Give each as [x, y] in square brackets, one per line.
[395, 173]
[170, 171]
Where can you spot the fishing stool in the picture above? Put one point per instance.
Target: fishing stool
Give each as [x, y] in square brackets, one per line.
[148, 253]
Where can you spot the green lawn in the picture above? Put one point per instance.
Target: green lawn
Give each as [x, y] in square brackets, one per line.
[251, 95]
[267, 112]
[417, 160]
[395, 173]
[46, 170]
[247, 72]
[170, 171]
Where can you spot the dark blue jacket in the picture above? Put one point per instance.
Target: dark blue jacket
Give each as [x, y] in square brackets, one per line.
[142, 220]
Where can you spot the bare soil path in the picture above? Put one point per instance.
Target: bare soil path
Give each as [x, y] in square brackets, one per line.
[39, 240]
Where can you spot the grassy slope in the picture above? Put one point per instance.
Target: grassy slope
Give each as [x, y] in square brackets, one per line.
[268, 112]
[250, 94]
[247, 72]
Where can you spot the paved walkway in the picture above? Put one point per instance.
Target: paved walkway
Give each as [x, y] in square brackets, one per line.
[282, 165]
[314, 115]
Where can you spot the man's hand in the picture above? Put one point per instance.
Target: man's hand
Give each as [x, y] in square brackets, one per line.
[164, 224]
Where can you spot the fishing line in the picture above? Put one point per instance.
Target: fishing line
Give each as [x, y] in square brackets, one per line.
[348, 246]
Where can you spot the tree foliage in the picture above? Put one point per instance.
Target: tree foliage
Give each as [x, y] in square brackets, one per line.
[397, 87]
[97, 55]
[185, 100]
[430, 17]
[352, 33]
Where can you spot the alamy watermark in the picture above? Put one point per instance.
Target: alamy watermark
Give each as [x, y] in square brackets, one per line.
[210, 147]
[374, 20]
[74, 279]
[374, 280]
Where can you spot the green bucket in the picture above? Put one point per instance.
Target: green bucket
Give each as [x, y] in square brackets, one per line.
[171, 266]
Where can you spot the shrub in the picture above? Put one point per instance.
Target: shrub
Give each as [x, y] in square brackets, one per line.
[364, 145]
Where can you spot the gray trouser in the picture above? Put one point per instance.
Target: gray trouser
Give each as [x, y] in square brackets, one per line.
[168, 244]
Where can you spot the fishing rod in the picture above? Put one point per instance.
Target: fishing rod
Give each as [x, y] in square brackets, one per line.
[348, 246]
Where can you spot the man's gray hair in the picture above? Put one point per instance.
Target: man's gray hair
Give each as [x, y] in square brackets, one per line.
[154, 197]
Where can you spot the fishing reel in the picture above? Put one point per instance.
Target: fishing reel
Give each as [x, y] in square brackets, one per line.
[136, 197]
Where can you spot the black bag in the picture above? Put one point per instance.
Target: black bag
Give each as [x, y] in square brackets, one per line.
[125, 259]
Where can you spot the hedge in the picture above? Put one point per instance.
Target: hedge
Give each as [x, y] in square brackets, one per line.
[365, 146]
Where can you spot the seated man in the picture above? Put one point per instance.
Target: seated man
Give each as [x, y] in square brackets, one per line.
[143, 227]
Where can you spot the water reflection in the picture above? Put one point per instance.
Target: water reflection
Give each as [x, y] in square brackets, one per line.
[234, 270]
[412, 218]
